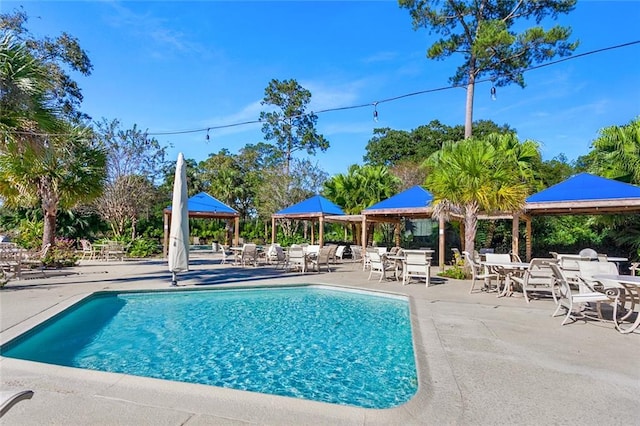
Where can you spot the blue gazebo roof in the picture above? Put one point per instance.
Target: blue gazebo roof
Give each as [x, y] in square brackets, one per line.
[311, 207]
[586, 193]
[414, 199]
[204, 205]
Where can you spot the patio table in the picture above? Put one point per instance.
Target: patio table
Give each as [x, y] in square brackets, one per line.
[630, 284]
[506, 270]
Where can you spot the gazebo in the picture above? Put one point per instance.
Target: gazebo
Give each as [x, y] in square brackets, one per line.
[316, 208]
[203, 205]
[582, 194]
[413, 203]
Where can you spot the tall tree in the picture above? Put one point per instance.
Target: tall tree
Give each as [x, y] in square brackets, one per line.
[486, 33]
[57, 56]
[616, 152]
[68, 168]
[134, 164]
[290, 126]
[474, 175]
[390, 147]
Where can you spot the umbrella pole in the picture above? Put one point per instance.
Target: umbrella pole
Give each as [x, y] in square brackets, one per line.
[174, 281]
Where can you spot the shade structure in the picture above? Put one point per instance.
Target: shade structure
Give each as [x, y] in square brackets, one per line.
[204, 206]
[179, 233]
[585, 193]
[311, 207]
[315, 208]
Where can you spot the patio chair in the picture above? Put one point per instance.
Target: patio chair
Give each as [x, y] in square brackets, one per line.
[538, 278]
[114, 250]
[10, 398]
[356, 254]
[571, 300]
[296, 259]
[478, 272]
[339, 254]
[34, 260]
[635, 267]
[323, 258]
[249, 255]
[378, 264]
[86, 250]
[277, 256]
[417, 264]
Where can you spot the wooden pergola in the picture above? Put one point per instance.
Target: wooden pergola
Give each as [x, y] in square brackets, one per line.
[314, 209]
[582, 194]
[204, 206]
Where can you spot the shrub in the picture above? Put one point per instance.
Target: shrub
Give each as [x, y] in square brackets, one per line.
[143, 247]
[61, 254]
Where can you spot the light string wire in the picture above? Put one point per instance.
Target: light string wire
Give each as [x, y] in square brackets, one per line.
[369, 104]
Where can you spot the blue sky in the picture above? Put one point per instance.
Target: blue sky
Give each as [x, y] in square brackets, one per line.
[172, 66]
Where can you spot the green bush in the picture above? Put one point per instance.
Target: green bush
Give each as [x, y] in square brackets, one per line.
[143, 247]
[456, 272]
[61, 254]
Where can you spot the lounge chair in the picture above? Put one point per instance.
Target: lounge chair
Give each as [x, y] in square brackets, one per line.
[10, 398]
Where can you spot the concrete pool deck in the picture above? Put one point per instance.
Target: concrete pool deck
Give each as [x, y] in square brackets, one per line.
[481, 359]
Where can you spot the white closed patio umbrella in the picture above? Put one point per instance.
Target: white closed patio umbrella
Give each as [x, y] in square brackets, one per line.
[179, 233]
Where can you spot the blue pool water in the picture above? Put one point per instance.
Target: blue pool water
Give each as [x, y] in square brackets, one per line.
[311, 342]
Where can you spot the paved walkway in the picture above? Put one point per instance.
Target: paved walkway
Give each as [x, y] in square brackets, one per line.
[481, 360]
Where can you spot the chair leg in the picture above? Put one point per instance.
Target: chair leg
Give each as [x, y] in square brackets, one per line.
[473, 284]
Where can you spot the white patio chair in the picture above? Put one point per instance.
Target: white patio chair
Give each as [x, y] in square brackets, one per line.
[339, 254]
[537, 278]
[417, 264]
[378, 264]
[86, 250]
[279, 258]
[478, 272]
[249, 255]
[296, 259]
[323, 258]
[572, 300]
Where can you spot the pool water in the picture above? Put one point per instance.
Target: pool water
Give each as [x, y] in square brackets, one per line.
[308, 342]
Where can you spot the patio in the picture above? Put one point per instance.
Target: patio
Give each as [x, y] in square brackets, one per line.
[481, 360]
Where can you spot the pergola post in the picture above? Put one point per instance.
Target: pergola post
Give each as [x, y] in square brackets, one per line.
[236, 236]
[515, 234]
[321, 231]
[165, 240]
[528, 240]
[364, 232]
[441, 243]
[273, 230]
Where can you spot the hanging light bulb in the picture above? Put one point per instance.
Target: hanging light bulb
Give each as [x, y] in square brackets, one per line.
[493, 93]
[375, 112]
[208, 134]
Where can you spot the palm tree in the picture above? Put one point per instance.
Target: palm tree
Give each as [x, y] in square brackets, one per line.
[475, 175]
[617, 150]
[62, 172]
[360, 188]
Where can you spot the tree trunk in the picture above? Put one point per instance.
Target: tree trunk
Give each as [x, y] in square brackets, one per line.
[470, 226]
[49, 233]
[468, 116]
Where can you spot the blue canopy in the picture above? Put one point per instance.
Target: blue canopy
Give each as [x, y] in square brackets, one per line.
[204, 205]
[413, 198]
[586, 193]
[314, 206]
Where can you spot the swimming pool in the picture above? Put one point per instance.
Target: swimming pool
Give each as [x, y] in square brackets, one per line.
[311, 342]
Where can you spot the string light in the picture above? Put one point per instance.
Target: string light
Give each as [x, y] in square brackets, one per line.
[375, 112]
